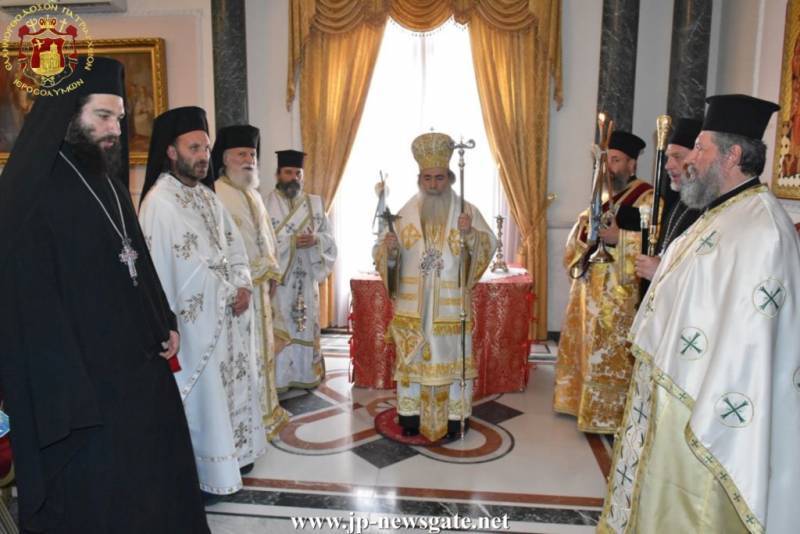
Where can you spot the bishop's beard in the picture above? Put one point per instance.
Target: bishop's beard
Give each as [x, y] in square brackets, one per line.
[89, 154]
[434, 209]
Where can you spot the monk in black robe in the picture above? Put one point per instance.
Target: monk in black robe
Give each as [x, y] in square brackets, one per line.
[100, 440]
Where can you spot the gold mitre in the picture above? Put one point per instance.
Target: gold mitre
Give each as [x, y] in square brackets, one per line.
[432, 149]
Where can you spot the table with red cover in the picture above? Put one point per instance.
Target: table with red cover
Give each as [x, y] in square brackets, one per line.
[501, 311]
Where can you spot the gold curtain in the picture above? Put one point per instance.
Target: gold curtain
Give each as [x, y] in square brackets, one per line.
[334, 84]
[512, 69]
[337, 69]
[333, 45]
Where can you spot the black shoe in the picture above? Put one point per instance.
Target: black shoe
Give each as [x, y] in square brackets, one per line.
[409, 432]
[210, 499]
[246, 469]
[454, 429]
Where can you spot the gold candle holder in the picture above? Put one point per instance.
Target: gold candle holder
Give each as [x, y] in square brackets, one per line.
[499, 263]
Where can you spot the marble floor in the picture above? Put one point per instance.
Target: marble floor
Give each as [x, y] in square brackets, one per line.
[521, 463]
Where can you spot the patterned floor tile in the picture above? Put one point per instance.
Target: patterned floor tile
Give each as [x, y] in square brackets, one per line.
[494, 412]
[384, 452]
[305, 403]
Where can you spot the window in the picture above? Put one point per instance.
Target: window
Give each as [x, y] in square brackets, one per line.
[421, 82]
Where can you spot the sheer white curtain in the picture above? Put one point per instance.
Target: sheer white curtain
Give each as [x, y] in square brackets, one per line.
[421, 82]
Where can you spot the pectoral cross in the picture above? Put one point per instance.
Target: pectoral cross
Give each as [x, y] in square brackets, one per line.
[129, 256]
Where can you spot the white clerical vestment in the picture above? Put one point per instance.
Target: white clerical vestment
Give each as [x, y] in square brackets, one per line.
[250, 215]
[426, 325]
[201, 260]
[711, 431]
[298, 359]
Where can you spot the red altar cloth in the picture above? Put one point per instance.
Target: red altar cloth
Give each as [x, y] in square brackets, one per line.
[501, 311]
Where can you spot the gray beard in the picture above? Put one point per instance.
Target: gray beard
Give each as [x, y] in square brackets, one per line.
[244, 180]
[289, 189]
[697, 192]
[434, 209]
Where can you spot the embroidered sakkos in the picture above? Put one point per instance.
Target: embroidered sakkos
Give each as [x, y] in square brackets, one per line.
[426, 325]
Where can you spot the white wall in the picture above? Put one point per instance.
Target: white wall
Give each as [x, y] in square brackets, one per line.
[737, 45]
[652, 77]
[267, 63]
[749, 61]
[571, 136]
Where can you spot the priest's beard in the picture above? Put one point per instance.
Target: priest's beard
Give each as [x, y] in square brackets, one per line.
[290, 189]
[697, 191]
[195, 172]
[90, 155]
[618, 181]
[243, 179]
[435, 208]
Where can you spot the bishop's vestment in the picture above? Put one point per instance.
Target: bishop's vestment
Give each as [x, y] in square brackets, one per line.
[426, 324]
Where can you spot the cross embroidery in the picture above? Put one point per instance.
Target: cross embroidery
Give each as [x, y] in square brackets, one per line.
[649, 305]
[691, 343]
[770, 298]
[707, 241]
[624, 475]
[639, 410]
[734, 410]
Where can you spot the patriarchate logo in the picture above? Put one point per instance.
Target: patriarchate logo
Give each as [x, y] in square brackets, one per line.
[45, 39]
[47, 52]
